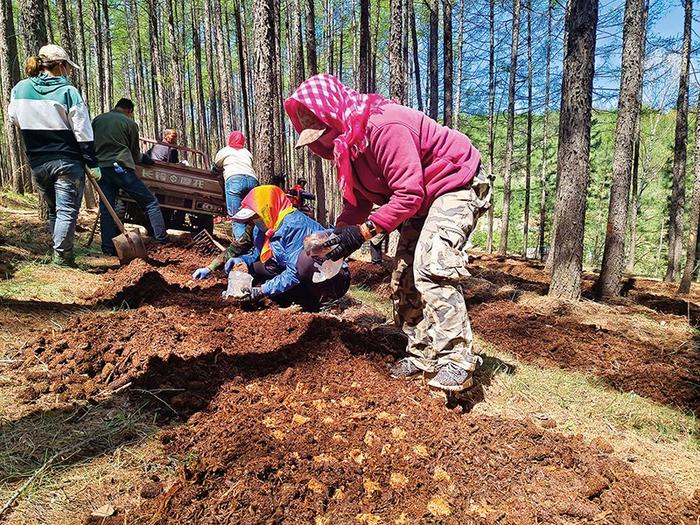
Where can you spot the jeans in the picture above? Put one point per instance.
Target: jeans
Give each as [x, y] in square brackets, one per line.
[237, 187]
[61, 183]
[110, 183]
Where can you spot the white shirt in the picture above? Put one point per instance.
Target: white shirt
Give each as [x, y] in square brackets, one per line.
[235, 162]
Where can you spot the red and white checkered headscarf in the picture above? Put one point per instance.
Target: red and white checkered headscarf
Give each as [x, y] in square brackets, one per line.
[342, 109]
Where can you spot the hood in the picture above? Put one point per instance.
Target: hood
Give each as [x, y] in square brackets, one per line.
[45, 84]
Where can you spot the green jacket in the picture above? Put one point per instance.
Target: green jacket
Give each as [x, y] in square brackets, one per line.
[116, 140]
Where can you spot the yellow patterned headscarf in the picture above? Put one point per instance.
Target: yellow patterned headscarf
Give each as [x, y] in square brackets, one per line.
[271, 204]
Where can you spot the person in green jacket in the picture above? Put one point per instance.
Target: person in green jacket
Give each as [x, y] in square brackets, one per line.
[117, 146]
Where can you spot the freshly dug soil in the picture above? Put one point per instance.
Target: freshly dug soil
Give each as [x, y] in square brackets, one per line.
[331, 439]
[369, 275]
[667, 376]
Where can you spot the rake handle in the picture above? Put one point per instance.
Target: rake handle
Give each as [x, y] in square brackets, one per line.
[104, 200]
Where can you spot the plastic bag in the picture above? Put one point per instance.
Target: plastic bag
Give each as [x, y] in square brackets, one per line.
[313, 246]
[237, 282]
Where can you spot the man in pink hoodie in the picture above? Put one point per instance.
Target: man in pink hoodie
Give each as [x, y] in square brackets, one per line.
[426, 180]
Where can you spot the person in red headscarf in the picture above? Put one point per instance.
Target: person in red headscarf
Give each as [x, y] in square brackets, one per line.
[236, 162]
[424, 178]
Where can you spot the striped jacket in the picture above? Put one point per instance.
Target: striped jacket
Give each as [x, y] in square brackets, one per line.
[54, 120]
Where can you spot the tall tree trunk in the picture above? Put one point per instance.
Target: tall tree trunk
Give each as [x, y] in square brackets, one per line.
[9, 76]
[492, 101]
[312, 60]
[212, 72]
[373, 56]
[675, 237]
[691, 262]
[448, 62]
[199, 81]
[364, 70]
[629, 104]
[159, 100]
[634, 199]
[264, 115]
[33, 24]
[223, 74]
[108, 93]
[240, 39]
[528, 138]
[460, 64]
[97, 35]
[176, 70]
[505, 215]
[416, 62]
[544, 176]
[397, 79]
[574, 147]
[80, 33]
[433, 59]
[299, 76]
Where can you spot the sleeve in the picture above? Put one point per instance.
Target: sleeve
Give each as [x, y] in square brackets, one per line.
[354, 214]
[174, 156]
[219, 158]
[398, 158]
[289, 278]
[134, 145]
[11, 110]
[79, 121]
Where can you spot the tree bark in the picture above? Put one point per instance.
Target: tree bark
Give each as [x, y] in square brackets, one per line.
[634, 200]
[574, 147]
[492, 100]
[528, 138]
[80, 33]
[33, 25]
[544, 175]
[505, 215]
[691, 261]
[460, 65]
[176, 70]
[240, 39]
[416, 62]
[629, 104]
[364, 59]
[433, 59]
[223, 74]
[9, 76]
[108, 93]
[448, 60]
[397, 79]
[264, 116]
[675, 233]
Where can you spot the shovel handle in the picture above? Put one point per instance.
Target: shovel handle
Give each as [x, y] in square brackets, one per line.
[104, 200]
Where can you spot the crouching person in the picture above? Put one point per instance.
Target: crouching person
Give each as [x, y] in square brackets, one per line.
[278, 262]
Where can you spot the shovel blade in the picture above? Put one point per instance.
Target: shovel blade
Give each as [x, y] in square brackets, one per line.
[129, 246]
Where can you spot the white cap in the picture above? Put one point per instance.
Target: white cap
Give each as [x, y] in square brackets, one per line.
[243, 215]
[54, 52]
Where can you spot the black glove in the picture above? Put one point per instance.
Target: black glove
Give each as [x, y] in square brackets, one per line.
[347, 240]
[252, 295]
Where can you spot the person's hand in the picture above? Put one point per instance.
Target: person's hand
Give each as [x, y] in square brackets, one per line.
[347, 240]
[96, 173]
[201, 273]
[231, 264]
[252, 295]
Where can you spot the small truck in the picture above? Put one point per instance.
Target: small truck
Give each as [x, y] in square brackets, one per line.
[190, 195]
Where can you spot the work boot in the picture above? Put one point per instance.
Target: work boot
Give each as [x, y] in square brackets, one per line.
[452, 378]
[403, 369]
[67, 259]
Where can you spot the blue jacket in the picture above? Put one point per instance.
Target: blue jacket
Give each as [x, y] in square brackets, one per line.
[287, 243]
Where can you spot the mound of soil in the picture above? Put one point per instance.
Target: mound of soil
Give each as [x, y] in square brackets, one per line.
[369, 275]
[334, 440]
[670, 376]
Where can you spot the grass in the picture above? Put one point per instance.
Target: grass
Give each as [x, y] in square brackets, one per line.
[655, 439]
[38, 280]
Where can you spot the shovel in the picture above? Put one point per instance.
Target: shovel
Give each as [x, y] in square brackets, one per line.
[128, 245]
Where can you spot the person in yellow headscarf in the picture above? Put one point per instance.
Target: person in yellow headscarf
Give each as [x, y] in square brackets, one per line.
[278, 262]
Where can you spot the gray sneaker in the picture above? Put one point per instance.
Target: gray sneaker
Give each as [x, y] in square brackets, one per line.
[452, 378]
[403, 369]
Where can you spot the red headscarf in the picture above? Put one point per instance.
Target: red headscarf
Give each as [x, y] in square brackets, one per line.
[342, 109]
[272, 205]
[236, 140]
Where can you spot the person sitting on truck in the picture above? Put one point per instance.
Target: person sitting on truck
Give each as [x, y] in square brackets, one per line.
[117, 146]
[163, 151]
[278, 261]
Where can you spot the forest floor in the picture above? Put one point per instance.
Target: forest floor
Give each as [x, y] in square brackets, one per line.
[135, 395]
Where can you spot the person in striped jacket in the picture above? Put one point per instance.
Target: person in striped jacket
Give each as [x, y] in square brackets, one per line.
[58, 139]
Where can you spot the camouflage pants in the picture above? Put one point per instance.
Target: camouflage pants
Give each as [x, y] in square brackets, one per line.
[430, 265]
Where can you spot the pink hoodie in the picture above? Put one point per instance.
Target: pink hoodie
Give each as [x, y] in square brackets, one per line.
[410, 161]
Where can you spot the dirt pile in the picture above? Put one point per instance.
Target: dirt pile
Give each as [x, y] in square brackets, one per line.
[334, 440]
[374, 276]
[666, 375]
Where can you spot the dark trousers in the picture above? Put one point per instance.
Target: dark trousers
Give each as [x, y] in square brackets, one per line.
[309, 295]
[110, 183]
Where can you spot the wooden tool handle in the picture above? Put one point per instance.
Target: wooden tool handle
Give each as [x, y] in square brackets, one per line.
[104, 200]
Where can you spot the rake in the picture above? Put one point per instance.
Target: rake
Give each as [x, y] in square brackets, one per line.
[205, 243]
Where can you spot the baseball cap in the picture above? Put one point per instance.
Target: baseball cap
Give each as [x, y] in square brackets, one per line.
[243, 215]
[313, 128]
[54, 52]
